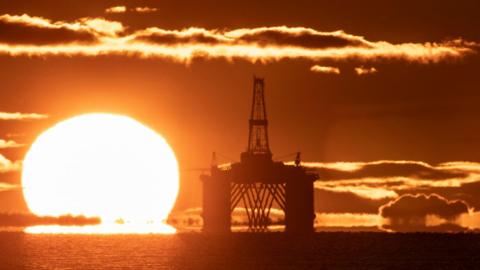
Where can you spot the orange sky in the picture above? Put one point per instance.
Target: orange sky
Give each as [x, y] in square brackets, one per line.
[392, 87]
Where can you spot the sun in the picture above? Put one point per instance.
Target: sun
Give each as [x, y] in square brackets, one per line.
[102, 165]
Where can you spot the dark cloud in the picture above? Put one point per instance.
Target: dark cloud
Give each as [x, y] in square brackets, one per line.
[305, 38]
[417, 207]
[262, 37]
[173, 39]
[23, 34]
[468, 192]
[383, 169]
[23, 220]
[423, 213]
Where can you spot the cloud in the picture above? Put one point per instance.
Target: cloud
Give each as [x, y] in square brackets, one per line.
[325, 69]
[365, 71]
[101, 28]
[470, 220]
[9, 144]
[418, 207]
[389, 178]
[366, 187]
[421, 212]
[24, 31]
[145, 9]
[116, 9]
[408, 213]
[98, 36]
[8, 166]
[9, 174]
[22, 116]
[24, 220]
[7, 186]
[391, 168]
[296, 37]
[347, 220]
[362, 190]
[123, 9]
[35, 31]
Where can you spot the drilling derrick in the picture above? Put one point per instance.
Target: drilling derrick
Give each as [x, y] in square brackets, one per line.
[257, 129]
[257, 184]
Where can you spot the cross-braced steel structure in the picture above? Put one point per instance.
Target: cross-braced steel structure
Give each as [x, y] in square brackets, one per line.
[258, 199]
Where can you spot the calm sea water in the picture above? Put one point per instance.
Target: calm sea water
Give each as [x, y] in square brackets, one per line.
[240, 251]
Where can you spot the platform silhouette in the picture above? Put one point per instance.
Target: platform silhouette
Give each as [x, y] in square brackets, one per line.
[257, 183]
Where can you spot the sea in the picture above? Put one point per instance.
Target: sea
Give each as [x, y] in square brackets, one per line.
[328, 250]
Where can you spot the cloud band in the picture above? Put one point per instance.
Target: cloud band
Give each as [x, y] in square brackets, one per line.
[98, 36]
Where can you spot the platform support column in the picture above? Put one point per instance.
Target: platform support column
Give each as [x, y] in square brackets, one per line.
[216, 204]
[299, 214]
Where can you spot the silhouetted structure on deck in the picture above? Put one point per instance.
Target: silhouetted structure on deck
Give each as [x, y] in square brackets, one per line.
[258, 183]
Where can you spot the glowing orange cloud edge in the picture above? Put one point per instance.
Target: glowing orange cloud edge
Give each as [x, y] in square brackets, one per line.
[113, 39]
[21, 116]
[379, 187]
[7, 165]
[5, 144]
[325, 69]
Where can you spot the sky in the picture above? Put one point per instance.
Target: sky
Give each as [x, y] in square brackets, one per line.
[379, 96]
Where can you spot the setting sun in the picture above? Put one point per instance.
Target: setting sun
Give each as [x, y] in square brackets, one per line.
[103, 165]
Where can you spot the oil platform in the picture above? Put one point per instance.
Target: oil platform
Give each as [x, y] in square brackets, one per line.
[257, 183]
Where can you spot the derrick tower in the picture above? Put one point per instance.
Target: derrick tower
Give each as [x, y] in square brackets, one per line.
[257, 128]
[257, 183]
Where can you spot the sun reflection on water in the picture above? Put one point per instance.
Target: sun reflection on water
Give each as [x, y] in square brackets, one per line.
[111, 228]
